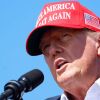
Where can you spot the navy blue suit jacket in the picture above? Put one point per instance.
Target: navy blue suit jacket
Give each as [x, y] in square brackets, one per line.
[54, 98]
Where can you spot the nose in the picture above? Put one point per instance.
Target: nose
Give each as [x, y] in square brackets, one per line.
[55, 50]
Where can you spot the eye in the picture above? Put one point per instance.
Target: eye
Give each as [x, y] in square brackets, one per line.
[66, 37]
[45, 49]
[65, 34]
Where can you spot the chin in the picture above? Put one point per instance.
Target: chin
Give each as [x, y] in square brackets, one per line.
[64, 81]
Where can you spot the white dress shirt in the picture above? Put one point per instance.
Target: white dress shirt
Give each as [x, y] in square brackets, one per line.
[92, 94]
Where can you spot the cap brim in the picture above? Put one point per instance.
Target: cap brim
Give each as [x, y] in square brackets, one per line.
[33, 41]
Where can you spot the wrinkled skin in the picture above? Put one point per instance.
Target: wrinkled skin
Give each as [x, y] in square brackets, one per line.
[79, 52]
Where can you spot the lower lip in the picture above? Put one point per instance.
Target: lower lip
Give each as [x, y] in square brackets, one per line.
[62, 68]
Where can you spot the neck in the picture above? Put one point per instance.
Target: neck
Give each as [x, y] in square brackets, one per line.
[77, 96]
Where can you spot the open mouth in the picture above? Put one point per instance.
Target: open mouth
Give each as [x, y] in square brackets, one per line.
[58, 63]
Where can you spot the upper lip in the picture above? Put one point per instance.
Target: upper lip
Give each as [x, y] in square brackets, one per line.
[59, 62]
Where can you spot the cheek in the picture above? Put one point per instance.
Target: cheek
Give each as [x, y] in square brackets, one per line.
[77, 51]
[74, 51]
[77, 47]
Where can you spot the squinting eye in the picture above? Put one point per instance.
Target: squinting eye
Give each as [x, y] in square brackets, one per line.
[66, 34]
[45, 49]
[66, 37]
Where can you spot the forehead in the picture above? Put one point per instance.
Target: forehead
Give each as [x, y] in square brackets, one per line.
[54, 32]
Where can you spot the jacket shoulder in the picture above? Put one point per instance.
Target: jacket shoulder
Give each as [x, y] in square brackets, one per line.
[54, 98]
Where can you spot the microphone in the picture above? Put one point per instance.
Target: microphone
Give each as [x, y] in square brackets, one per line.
[27, 82]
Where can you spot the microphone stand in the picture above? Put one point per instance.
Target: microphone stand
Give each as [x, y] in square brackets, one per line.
[5, 96]
[12, 91]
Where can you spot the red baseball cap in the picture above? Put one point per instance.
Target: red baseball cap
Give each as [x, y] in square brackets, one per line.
[68, 14]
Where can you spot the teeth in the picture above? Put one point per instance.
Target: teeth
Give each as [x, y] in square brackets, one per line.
[61, 63]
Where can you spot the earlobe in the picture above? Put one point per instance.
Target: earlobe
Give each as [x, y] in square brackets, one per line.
[99, 51]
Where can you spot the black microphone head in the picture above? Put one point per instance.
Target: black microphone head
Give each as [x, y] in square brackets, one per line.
[31, 79]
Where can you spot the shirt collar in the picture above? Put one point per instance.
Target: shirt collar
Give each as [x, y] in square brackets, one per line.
[92, 94]
[94, 91]
[63, 97]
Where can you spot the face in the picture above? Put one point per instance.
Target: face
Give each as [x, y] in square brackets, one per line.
[71, 57]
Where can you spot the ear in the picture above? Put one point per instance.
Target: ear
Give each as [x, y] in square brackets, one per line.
[98, 46]
[99, 51]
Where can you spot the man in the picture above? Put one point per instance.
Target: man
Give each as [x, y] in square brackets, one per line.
[68, 35]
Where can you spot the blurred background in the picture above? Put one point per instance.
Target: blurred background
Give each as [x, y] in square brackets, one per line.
[17, 20]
